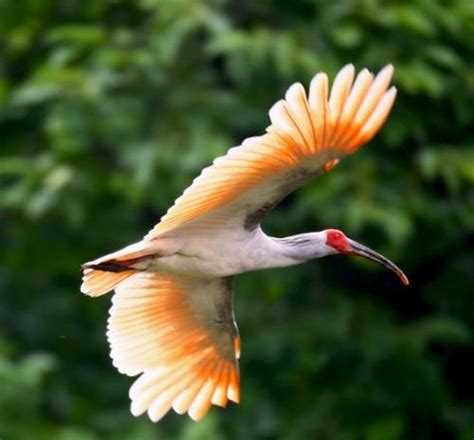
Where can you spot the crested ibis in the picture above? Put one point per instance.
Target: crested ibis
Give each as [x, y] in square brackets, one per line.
[172, 319]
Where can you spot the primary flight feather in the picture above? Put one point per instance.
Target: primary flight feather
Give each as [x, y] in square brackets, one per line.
[172, 320]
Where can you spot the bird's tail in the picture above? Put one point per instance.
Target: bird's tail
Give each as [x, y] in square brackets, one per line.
[96, 282]
[106, 273]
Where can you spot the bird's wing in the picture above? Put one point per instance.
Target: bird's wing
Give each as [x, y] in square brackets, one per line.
[180, 335]
[307, 136]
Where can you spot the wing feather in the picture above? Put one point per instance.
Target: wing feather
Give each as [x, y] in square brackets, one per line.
[339, 93]
[307, 136]
[180, 335]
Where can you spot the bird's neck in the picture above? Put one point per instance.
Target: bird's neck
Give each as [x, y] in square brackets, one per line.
[292, 250]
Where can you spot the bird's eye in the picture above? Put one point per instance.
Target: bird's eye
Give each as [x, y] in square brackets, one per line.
[337, 236]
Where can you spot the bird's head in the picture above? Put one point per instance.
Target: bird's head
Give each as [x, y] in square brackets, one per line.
[338, 241]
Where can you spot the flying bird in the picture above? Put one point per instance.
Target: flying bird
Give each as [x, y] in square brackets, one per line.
[172, 319]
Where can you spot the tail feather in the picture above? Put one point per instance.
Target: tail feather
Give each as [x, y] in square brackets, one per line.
[96, 282]
[106, 273]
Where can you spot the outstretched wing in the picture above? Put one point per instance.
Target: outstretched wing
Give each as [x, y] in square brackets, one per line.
[180, 335]
[307, 136]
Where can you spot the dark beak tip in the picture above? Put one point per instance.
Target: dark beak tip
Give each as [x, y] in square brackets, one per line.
[405, 280]
[364, 251]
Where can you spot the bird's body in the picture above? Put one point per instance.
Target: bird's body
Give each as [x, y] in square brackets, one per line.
[215, 256]
[172, 317]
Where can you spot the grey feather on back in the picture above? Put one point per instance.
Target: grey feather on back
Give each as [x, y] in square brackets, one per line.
[290, 183]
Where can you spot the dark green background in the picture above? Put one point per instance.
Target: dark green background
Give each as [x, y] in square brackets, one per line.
[108, 109]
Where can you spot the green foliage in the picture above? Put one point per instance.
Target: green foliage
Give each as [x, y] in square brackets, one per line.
[109, 109]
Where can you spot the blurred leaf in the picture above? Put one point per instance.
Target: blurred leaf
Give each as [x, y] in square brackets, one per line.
[434, 329]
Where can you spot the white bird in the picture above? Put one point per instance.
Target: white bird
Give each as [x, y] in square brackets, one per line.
[172, 319]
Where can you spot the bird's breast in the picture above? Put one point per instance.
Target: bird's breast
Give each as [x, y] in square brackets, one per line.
[216, 256]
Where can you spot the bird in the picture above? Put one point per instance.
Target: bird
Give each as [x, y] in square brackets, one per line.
[172, 321]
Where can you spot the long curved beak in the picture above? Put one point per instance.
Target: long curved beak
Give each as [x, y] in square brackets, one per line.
[363, 251]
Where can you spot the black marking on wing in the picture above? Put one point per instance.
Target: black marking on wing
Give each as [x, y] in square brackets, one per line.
[222, 323]
[226, 307]
[295, 180]
[107, 266]
[117, 265]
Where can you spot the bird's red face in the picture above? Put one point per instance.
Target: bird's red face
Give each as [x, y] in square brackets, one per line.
[343, 245]
[338, 240]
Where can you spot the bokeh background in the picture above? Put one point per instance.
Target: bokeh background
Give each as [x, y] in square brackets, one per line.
[108, 109]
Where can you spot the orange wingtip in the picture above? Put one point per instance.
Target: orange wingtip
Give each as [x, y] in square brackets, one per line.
[237, 347]
[330, 165]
